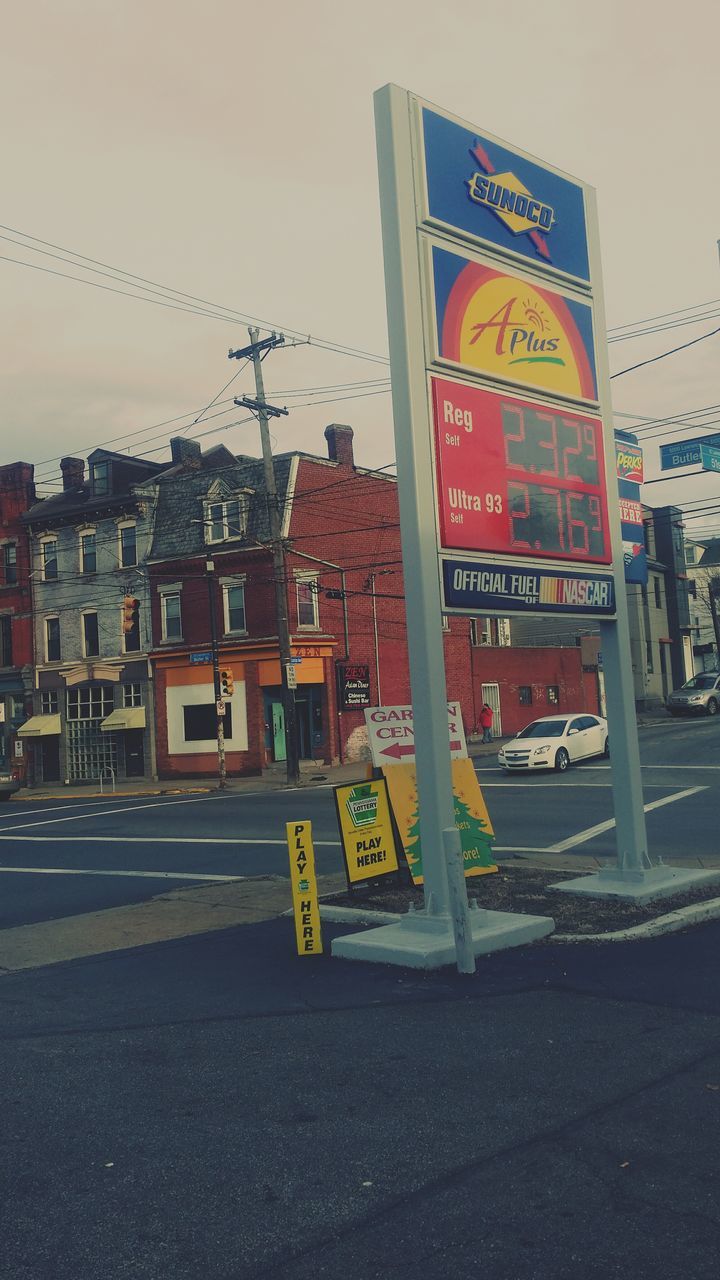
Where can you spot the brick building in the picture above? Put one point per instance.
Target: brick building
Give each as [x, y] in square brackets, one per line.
[17, 493]
[346, 604]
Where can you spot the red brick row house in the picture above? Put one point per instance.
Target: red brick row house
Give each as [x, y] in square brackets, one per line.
[17, 493]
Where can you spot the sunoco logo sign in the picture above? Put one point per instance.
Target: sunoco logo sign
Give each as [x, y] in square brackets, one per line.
[510, 201]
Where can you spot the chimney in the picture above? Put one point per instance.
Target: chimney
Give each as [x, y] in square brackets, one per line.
[340, 444]
[73, 473]
[184, 450]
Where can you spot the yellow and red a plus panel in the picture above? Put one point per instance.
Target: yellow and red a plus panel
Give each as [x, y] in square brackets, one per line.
[499, 325]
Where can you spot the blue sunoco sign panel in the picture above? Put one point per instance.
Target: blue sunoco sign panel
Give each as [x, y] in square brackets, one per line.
[478, 188]
[475, 587]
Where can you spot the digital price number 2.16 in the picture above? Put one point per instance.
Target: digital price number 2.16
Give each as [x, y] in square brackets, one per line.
[519, 478]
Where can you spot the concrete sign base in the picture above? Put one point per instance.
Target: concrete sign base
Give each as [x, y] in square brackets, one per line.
[657, 882]
[419, 941]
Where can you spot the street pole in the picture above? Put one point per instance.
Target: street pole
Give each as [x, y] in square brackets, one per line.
[210, 569]
[263, 412]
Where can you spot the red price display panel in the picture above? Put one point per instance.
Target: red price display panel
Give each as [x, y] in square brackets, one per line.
[519, 478]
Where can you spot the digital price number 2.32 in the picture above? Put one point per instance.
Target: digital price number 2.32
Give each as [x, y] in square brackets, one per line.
[519, 478]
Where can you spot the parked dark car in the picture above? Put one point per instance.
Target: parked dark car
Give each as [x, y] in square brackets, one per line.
[699, 696]
[9, 784]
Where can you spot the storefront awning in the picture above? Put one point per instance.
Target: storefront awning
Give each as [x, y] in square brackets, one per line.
[40, 726]
[124, 718]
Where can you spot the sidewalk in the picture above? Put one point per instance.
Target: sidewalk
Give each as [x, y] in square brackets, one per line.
[220, 1107]
[272, 779]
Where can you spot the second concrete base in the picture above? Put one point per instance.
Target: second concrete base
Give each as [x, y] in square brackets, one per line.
[639, 887]
[427, 942]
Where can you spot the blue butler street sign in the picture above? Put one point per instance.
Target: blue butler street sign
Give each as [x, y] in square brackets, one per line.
[687, 453]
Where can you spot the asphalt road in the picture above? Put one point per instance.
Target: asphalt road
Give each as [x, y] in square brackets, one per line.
[60, 858]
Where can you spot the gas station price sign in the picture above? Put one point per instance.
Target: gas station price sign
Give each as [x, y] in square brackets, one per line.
[519, 478]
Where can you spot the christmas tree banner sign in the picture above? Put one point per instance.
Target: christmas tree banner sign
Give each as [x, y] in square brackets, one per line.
[471, 817]
[366, 830]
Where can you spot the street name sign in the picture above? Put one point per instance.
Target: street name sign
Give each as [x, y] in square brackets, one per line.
[686, 453]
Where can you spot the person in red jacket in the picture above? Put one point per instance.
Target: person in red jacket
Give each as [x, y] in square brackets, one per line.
[486, 719]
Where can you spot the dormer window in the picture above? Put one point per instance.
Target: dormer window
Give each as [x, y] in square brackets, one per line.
[226, 520]
[100, 479]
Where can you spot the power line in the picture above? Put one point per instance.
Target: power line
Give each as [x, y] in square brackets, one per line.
[665, 354]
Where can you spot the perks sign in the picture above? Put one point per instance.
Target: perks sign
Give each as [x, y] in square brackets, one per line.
[353, 685]
[518, 478]
[506, 327]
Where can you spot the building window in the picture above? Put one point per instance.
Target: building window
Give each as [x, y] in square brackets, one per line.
[48, 702]
[6, 659]
[234, 607]
[446, 622]
[89, 702]
[52, 640]
[88, 553]
[100, 479]
[489, 631]
[553, 694]
[91, 635]
[525, 695]
[128, 546]
[131, 638]
[226, 520]
[201, 722]
[18, 707]
[10, 563]
[132, 695]
[307, 602]
[171, 620]
[656, 589]
[649, 655]
[49, 559]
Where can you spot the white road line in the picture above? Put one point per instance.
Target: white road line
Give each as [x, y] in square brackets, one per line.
[48, 839]
[143, 875]
[104, 813]
[516, 783]
[590, 832]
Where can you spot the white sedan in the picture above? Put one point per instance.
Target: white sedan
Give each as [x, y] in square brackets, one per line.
[554, 742]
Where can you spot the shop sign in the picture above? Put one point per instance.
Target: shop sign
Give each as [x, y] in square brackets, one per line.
[303, 882]
[482, 189]
[505, 326]
[629, 461]
[471, 817]
[391, 733]
[471, 586]
[366, 830]
[353, 685]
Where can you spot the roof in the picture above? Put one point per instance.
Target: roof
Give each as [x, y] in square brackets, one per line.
[182, 492]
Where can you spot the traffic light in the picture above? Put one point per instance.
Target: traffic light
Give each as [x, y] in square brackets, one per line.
[227, 684]
[129, 613]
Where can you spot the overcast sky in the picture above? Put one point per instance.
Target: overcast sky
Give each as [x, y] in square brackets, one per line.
[227, 150]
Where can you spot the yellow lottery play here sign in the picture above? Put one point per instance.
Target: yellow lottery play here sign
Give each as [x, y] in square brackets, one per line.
[471, 817]
[303, 881]
[366, 830]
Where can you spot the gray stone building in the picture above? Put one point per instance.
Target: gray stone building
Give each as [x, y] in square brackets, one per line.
[93, 714]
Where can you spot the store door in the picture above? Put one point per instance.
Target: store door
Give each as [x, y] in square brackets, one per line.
[277, 728]
[491, 695]
[134, 754]
[311, 737]
[49, 752]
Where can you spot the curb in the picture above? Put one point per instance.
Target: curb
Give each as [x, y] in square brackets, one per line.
[699, 913]
[112, 795]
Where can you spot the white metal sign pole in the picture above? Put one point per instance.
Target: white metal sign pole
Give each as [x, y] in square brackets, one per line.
[633, 876]
[415, 486]
[615, 635]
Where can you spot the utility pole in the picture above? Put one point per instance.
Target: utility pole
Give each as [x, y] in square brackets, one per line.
[263, 412]
[210, 570]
